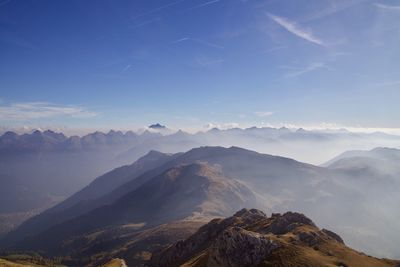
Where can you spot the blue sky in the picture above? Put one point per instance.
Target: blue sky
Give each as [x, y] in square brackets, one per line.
[191, 63]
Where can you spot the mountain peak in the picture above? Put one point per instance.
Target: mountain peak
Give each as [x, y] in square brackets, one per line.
[9, 134]
[113, 132]
[157, 126]
[250, 212]
[57, 136]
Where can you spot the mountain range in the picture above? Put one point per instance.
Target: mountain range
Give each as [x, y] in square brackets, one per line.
[43, 168]
[134, 210]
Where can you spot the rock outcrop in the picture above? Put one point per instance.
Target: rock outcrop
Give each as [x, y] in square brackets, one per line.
[251, 238]
[238, 247]
[231, 241]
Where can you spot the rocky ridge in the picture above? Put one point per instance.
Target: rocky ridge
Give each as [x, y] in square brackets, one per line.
[251, 238]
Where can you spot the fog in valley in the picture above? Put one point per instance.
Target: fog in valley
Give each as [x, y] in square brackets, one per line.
[341, 179]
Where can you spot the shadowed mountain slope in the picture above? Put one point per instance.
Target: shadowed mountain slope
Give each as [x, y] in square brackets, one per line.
[189, 191]
[85, 200]
[250, 167]
[44, 167]
[382, 153]
[330, 195]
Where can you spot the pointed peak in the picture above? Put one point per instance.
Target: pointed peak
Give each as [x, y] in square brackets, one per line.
[249, 212]
[157, 126]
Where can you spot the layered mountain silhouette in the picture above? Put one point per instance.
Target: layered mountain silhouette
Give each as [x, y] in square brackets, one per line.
[129, 208]
[190, 191]
[45, 167]
[136, 208]
[262, 172]
[94, 195]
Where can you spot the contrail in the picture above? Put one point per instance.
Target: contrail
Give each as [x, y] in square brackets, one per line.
[158, 9]
[202, 5]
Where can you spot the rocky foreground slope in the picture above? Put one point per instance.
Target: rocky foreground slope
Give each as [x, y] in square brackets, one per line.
[250, 238]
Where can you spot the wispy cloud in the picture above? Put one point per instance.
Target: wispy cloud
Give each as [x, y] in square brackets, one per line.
[386, 83]
[387, 7]
[202, 5]
[297, 30]
[300, 71]
[206, 43]
[205, 61]
[199, 41]
[5, 2]
[162, 8]
[127, 67]
[37, 110]
[147, 22]
[181, 40]
[332, 8]
[263, 114]
[157, 9]
[221, 126]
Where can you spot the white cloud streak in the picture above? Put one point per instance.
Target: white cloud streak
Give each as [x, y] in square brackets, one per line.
[203, 5]
[3, 3]
[199, 41]
[263, 114]
[221, 126]
[386, 83]
[307, 69]
[157, 9]
[297, 30]
[181, 40]
[333, 8]
[38, 110]
[127, 67]
[387, 7]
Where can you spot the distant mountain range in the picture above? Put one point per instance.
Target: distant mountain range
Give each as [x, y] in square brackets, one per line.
[43, 168]
[52, 141]
[133, 210]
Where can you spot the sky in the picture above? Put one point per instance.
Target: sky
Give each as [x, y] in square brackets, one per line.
[196, 64]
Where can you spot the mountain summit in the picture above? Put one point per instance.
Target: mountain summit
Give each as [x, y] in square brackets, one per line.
[157, 126]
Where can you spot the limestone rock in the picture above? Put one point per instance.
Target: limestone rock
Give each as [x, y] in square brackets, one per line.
[237, 247]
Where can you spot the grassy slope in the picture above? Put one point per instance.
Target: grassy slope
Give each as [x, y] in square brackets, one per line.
[115, 263]
[328, 254]
[6, 263]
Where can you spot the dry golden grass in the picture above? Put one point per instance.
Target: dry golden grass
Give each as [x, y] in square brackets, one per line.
[325, 254]
[6, 263]
[294, 253]
[115, 263]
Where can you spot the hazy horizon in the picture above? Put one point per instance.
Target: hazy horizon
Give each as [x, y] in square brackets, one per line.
[328, 128]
